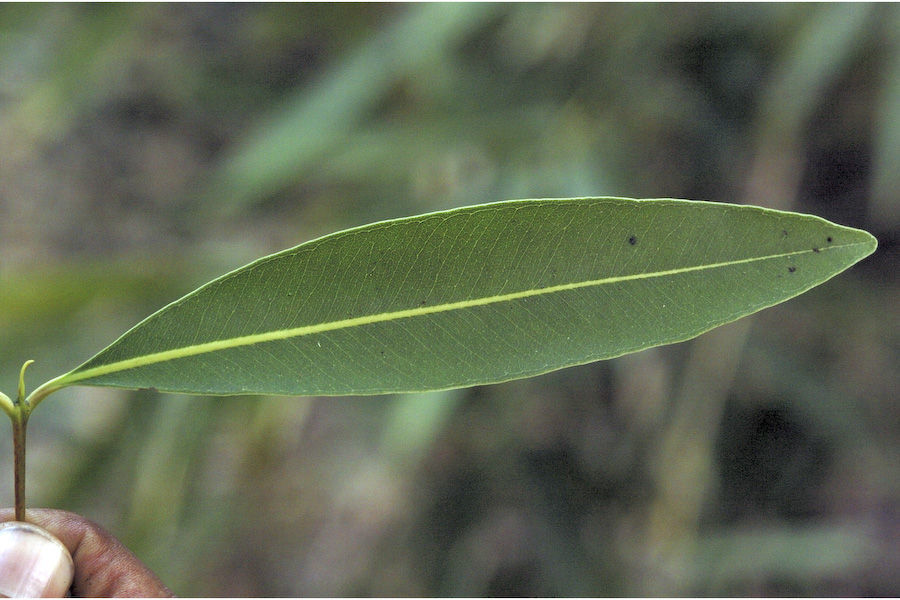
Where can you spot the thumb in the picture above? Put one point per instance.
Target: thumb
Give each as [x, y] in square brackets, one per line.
[103, 566]
[33, 563]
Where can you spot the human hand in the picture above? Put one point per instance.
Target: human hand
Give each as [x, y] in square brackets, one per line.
[103, 566]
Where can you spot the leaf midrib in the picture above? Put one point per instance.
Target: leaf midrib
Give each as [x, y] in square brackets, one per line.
[281, 334]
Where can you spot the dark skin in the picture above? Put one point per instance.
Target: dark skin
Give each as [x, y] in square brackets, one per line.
[103, 566]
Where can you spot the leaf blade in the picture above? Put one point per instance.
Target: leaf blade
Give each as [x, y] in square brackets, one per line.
[475, 295]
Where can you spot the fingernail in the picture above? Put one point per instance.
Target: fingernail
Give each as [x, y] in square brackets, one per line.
[33, 563]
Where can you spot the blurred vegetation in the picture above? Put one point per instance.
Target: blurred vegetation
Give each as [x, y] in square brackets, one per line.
[147, 148]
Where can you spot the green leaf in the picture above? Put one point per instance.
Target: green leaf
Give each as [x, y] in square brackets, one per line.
[475, 295]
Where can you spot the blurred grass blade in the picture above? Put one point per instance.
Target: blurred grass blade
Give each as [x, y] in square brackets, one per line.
[884, 207]
[475, 295]
[318, 118]
[797, 553]
[823, 47]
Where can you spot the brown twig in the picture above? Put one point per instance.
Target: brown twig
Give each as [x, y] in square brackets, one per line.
[19, 426]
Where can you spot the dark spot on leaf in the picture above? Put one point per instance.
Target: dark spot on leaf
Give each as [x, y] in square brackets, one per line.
[422, 303]
[791, 269]
[784, 232]
[632, 240]
[828, 239]
[815, 249]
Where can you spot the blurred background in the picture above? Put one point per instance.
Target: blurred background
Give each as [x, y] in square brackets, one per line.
[145, 149]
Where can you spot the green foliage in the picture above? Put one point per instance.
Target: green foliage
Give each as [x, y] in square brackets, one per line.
[475, 295]
[668, 472]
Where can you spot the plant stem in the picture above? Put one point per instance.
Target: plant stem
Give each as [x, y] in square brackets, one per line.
[19, 426]
[18, 412]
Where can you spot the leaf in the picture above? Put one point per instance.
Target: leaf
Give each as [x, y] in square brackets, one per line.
[475, 295]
